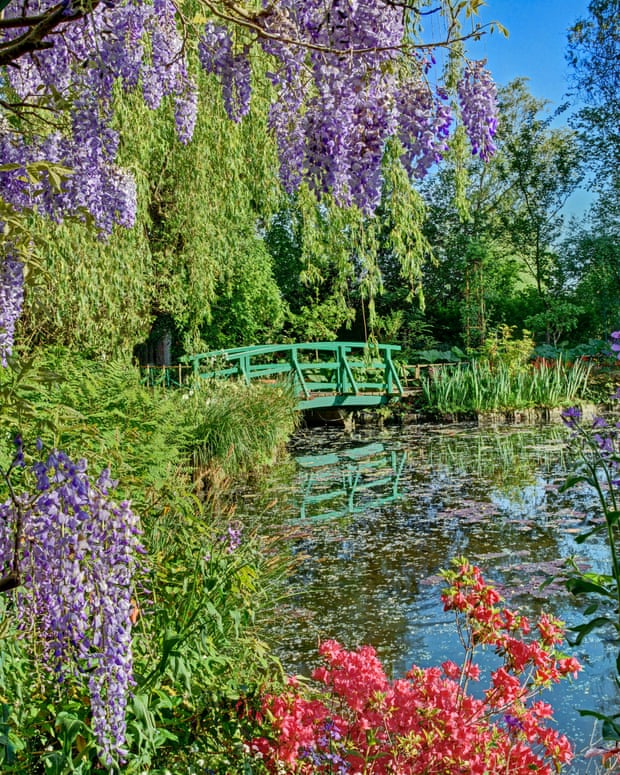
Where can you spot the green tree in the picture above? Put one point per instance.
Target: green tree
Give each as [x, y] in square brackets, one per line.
[594, 54]
[311, 247]
[543, 167]
[591, 261]
[338, 267]
[392, 288]
[493, 227]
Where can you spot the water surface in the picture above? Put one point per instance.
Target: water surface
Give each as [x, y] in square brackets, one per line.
[380, 512]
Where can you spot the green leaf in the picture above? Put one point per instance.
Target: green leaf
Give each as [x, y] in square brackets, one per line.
[583, 537]
[612, 517]
[584, 629]
[70, 728]
[579, 586]
[610, 729]
[573, 479]
[55, 763]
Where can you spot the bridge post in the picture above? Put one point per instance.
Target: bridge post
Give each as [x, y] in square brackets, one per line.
[244, 367]
[342, 376]
[346, 380]
[297, 372]
[391, 377]
[388, 370]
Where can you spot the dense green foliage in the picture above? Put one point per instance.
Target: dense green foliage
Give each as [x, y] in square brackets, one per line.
[102, 411]
[221, 257]
[195, 253]
[208, 578]
[480, 387]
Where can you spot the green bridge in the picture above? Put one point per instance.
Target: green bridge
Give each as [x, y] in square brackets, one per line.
[323, 374]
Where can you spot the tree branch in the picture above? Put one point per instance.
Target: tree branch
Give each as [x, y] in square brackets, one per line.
[39, 27]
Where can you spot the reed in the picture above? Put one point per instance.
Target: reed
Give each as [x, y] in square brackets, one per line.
[482, 386]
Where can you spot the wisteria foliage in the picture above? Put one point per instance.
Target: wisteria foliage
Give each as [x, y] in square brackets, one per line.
[134, 43]
[343, 86]
[346, 82]
[73, 552]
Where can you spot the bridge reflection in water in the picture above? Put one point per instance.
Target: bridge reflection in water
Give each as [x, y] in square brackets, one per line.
[350, 481]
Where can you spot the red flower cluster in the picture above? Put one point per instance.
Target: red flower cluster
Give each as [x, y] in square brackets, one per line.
[361, 722]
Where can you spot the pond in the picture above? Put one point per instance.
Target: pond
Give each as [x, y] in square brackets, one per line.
[380, 512]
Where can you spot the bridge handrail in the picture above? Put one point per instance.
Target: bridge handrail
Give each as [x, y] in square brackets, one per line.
[234, 353]
[342, 373]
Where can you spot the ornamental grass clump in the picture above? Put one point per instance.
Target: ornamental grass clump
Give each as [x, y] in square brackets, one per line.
[359, 721]
[482, 386]
[68, 554]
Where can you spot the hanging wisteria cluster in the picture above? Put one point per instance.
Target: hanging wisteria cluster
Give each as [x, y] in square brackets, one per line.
[477, 94]
[344, 86]
[135, 43]
[72, 553]
[11, 299]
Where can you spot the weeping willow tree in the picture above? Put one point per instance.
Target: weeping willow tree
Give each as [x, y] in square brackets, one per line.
[219, 256]
[338, 268]
[195, 257]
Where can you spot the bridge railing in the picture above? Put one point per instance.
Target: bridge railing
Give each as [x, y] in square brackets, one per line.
[165, 376]
[346, 368]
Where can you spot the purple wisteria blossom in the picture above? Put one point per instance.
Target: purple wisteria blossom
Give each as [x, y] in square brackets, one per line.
[11, 299]
[77, 552]
[344, 88]
[513, 723]
[344, 79]
[477, 97]
[329, 750]
[217, 56]
[83, 66]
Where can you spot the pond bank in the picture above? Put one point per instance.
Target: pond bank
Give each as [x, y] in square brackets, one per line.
[402, 414]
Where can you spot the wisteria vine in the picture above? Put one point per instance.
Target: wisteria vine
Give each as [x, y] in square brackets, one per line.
[70, 552]
[344, 87]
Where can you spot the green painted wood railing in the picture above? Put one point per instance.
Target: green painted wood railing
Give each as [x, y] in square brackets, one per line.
[323, 374]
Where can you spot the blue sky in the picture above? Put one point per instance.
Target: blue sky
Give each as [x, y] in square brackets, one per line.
[535, 49]
[536, 44]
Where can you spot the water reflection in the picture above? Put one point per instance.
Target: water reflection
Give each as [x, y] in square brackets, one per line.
[369, 572]
[350, 481]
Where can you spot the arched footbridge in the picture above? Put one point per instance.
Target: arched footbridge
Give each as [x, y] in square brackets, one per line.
[323, 374]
